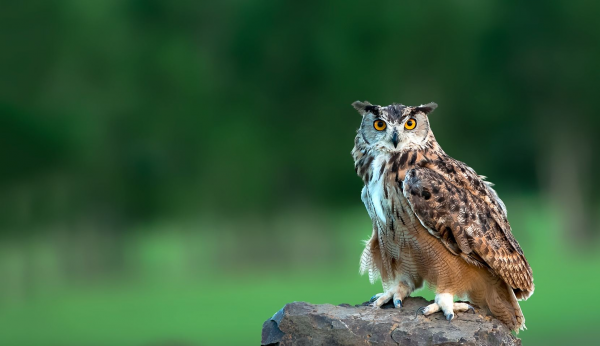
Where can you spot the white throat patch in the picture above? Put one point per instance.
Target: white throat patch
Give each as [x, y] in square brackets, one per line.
[375, 187]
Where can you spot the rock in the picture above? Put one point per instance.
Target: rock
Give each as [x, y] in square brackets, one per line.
[302, 323]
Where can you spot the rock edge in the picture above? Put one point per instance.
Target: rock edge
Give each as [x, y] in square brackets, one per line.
[301, 323]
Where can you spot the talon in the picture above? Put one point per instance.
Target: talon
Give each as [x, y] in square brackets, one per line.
[398, 303]
[373, 298]
[421, 310]
[471, 308]
[449, 317]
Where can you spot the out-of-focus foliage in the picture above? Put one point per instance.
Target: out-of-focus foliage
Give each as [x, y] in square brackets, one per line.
[153, 153]
[153, 106]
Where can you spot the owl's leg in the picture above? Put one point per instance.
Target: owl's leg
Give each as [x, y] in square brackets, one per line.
[397, 292]
[445, 302]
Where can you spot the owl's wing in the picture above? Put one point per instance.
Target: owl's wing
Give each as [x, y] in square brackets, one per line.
[468, 226]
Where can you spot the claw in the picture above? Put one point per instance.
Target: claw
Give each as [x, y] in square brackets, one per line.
[398, 303]
[449, 317]
[471, 308]
[421, 310]
[375, 297]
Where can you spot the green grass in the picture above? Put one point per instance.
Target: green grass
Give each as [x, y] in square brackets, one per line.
[225, 301]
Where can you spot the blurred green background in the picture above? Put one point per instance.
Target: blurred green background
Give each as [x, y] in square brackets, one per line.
[174, 172]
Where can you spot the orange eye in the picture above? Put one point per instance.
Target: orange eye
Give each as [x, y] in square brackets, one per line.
[410, 124]
[379, 125]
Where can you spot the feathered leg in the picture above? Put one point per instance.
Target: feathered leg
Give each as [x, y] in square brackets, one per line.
[445, 302]
[396, 292]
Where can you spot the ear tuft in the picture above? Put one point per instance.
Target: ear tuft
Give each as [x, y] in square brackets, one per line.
[427, 108]
[361, 107]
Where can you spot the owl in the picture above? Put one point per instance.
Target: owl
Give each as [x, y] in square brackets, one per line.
[435, 220]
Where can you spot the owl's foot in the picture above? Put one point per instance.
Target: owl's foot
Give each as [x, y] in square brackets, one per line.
[428, 310]
[444, 302]
[382, 298]
[394, 294]
[375, 297]
[457, 307]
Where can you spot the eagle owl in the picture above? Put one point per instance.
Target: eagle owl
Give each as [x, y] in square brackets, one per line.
[434, 220]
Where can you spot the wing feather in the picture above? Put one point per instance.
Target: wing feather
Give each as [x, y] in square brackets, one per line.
[468, 225]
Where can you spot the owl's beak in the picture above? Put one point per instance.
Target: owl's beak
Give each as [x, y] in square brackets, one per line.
[395, 139]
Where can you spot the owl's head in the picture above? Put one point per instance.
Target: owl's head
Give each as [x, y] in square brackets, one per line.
[395, 127]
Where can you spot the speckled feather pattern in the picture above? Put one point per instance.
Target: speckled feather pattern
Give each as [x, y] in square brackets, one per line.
[436, 221]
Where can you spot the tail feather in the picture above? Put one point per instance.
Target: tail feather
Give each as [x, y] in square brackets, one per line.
[503, 304]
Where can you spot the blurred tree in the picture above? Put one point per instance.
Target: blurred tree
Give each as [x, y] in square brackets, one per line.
[141, 109]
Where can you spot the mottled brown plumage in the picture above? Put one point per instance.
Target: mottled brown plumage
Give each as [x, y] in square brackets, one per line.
[434, 220]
